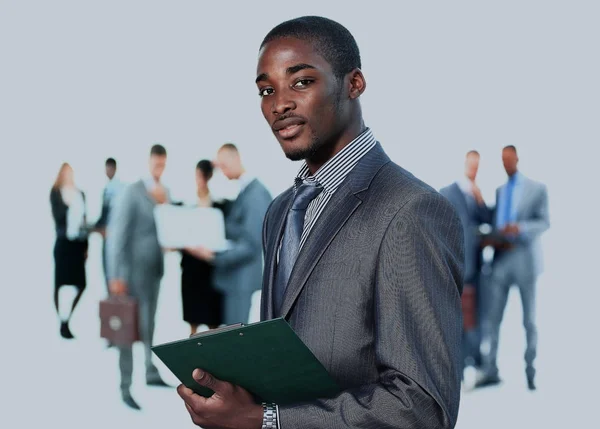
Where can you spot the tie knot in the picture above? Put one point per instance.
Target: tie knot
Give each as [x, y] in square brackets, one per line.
[305, 193]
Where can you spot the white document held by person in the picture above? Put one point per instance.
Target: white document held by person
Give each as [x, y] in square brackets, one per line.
[180, 227]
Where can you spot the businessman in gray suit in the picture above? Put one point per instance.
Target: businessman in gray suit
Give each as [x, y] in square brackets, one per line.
[238, 270]
[363, 259]
[136, 263]
[521, 215]
[465, 196]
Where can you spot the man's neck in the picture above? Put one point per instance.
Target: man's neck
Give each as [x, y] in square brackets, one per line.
[328, 151]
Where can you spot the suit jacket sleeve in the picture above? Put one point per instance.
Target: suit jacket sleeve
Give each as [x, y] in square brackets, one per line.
[59, 211]
[103, 219]
[249, 242]
[540, 221]
[119, 235]
[417, 330]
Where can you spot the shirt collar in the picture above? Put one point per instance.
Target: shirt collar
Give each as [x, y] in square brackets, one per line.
[333, 172]
[244, 180]
[465, 185]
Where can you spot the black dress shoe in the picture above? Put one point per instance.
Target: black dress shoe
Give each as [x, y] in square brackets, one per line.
[130, 402]
[487, 381]
[530, 383]
[65, 332]
[157, 382]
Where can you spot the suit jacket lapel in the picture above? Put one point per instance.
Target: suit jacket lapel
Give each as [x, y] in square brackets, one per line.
[337, 212]
[272, 248]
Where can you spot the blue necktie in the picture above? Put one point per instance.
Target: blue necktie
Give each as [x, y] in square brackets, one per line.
[507, 215]
[290, 244]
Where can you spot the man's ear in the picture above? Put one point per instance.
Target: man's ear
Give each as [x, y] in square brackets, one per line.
[356, 83]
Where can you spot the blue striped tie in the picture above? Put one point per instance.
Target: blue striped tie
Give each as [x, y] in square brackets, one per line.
[290, 244]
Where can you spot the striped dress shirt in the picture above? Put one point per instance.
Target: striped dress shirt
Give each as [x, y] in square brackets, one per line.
[330, 176]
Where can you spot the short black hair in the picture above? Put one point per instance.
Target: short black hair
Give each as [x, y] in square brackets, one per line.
[158, 149]
[510, 147]
[330, 39]
[206, 167]
[111, 162]
[230, 146]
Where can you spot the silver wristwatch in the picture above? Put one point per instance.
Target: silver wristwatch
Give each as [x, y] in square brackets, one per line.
[269, 416]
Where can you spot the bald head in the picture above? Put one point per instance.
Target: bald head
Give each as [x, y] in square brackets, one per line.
[229, 161]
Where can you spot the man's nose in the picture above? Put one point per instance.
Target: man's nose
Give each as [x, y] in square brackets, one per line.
[282, 103]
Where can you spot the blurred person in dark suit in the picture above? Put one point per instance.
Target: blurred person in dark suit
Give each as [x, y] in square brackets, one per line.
[111, 190]
[465, 196]
[238, 270]
[202, 303]
[71, 246]
[136, 262]
[361, 258]
[521, 216]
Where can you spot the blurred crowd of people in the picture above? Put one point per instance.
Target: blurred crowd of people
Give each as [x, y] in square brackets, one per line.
[217, 287]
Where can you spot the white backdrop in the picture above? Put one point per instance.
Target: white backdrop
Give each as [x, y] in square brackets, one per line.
[82, 81]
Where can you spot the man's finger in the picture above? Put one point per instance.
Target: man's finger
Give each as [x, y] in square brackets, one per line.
[191, 399]
[205, 379]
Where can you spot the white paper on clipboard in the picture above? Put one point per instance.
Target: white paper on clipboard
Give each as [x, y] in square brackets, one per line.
[180, 226]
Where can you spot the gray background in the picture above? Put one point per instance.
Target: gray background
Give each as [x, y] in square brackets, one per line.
[81, 81]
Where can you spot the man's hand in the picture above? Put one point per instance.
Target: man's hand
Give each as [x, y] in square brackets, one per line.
[201, 253]
[228, 408]
[159, 193]
[511, 229]
[117, 287]
[477, 194]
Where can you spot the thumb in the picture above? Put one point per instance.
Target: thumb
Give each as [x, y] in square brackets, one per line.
[205, 379]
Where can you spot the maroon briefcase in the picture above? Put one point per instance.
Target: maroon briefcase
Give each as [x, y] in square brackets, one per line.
[119, 320]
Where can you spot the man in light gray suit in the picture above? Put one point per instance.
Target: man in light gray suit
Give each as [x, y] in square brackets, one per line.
[363, 259]
[521, 215]
[136, 263]
[238, 270]
[465, 196]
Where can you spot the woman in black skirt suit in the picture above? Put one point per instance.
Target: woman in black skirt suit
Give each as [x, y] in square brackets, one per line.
[70, 249]
[202, 304]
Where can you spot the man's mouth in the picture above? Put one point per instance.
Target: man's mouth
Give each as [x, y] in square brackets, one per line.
[290, 131]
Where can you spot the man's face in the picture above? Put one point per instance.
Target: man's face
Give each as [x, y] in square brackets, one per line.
[110, 171]
[229, 163]
[472, 166]
[301, 97]
[157, 165]
[510, 161]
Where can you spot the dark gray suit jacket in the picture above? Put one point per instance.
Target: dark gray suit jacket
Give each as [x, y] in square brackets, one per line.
[471, 218]
[375, 294]
[240, 267]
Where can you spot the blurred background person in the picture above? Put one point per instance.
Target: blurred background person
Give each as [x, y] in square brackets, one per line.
[136, 262]
[111, 190]
[70, 248]
[238, 270]
[202, 303]
[465, 196]
[521, 215]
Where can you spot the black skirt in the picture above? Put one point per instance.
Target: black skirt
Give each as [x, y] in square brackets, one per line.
[69, 263]
[202, 304]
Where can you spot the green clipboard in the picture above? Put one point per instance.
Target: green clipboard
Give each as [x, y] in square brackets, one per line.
[266, 358]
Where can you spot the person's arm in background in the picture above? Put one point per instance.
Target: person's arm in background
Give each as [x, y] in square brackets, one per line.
[250, 241]
[59, 211]
[119, 241]
[417, 331]
[531, 228]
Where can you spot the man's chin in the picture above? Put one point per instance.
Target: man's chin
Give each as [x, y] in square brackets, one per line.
[296, 153]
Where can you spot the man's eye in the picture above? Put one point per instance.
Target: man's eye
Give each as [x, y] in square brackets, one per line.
[303, 83]
[265, 91]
